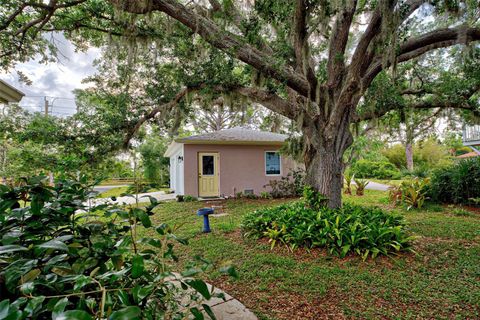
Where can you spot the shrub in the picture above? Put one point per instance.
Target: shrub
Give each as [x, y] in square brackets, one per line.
[458, 183]
[411, 193]
[419, 171]
[375, 169]
[265, 195]
[366, 231]
[290, 185]
[348, 182]
[361, 185]
[189, 198]
[414, 192]
[60, 259]
[462, 150]
[426, 153]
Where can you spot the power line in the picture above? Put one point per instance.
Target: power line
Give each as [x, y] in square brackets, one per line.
[60, 107]
[53, 97]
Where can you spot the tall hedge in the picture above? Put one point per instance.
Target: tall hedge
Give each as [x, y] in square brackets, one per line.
[458, 183]
[375, 169]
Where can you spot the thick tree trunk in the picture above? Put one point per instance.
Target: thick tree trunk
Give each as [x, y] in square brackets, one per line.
[324, 159]
[409, 156]
[325, 174]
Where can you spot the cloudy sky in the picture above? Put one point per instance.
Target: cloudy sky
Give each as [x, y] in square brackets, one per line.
[54, 80]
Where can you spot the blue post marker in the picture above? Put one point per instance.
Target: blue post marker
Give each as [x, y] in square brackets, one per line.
[205, 212]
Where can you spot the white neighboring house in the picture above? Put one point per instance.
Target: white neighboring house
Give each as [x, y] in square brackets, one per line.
[176, 153]
[9, 94]
[471, 137]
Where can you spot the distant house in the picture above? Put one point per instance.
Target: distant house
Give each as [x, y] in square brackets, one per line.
[226, 162]
[468, 155]
[9, 94]
[471, 137]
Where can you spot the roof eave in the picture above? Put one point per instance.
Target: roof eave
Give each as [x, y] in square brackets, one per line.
[172, 148]
[9, 93]
[230, 142]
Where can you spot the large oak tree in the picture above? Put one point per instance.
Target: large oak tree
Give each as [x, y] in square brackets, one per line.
[318, 58]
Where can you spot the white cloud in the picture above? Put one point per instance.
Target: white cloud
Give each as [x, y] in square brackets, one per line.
[54, 80]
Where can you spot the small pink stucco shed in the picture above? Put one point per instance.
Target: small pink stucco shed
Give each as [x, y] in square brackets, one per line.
[223, 163]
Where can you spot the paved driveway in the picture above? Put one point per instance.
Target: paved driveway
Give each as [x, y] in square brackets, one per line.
[142, 197]
[377, 186]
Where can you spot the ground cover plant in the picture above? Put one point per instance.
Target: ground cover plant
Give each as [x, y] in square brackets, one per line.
[352, 229]
[60, 259]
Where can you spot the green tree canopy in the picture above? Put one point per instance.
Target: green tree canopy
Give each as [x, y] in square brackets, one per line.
[311, 61]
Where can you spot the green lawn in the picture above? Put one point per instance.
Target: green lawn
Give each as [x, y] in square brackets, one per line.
[115, 192]
[118, 191]
[441, 281]
[387, 182]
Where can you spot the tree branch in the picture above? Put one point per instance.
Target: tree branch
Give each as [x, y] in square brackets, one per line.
[222, 39]
[263, 97]
[300, 45]
[424, 104]
[269, 100]
[338, 43]
[417, 46]
[132, 130]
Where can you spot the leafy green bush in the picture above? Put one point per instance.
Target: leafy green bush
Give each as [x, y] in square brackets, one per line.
[361, 185]
[60, 259]
[411, 193]
[458, 183]
[350, 230]
[375, 169]
[419, 171]
[290, 185]
[427, 153]
[462, 150]
[348, 178]
[265, 195]
[188, 198]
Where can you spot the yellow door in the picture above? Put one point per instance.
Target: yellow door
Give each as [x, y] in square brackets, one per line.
[208, 174]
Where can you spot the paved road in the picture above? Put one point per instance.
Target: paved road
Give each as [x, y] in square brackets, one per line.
[142, 197]
[377, 186]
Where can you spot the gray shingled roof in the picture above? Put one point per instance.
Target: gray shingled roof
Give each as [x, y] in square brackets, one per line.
[236, 135]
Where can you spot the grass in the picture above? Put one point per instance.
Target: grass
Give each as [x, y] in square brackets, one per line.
[114, 192]
[118, 191]
[439, 282]
[394, 183]
[116, 182]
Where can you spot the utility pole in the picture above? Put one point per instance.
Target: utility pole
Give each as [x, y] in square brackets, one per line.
[51, 180]
[46, 105]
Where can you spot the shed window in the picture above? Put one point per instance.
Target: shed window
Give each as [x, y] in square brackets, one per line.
[272, 163]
